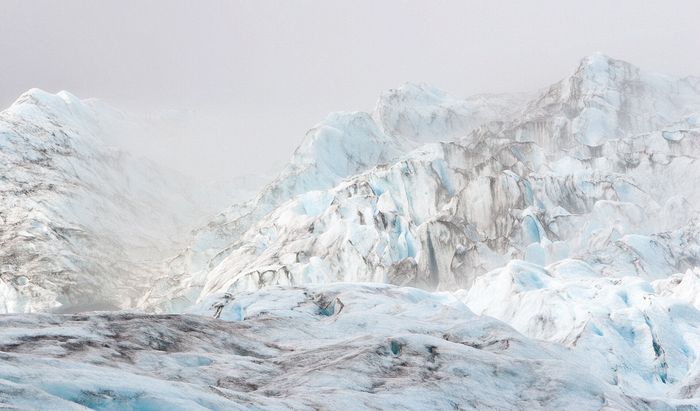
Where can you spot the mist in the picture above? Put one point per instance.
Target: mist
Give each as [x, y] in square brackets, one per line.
[252, 77]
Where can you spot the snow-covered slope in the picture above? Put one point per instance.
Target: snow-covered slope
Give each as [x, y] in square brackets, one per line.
[334, 347]
[425, 114]
[439, 216]
[592, 184]
[641, 336]
[603, 99]
[343, 145]
[81, 223]
[571, 216]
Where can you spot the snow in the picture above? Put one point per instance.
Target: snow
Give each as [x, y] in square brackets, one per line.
[445, 205]
[359, 346]
[553, 240]
[636, 334]
[82, 224]
[423, 113]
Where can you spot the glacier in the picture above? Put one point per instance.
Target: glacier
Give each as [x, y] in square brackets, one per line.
[377, 346]
[65, 190]
[441, 214]
[510, 251]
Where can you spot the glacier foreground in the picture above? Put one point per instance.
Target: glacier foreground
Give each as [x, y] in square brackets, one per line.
[524, 251]
[343, 346]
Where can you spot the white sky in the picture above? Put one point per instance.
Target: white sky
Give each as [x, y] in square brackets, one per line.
[260, 73]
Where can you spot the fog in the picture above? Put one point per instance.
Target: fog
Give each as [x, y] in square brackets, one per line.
[253, 76]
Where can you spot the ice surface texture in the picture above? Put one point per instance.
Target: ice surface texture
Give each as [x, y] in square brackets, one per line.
[555, 237]
[346, 346]
[601, 167]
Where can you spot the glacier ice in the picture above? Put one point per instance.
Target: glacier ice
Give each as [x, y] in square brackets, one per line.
[577, 172]
[519, 251]
[388, 348]
[82, 225]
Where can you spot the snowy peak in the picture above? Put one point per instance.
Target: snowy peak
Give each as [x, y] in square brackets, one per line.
[604, 99]
[81, 223]
[601, 71]
[346, 143]
[39, 107]
[45, 100]
[412, 94]
[597, 75]
[424, 113]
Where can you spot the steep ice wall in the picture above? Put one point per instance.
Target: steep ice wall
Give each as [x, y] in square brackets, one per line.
[442, 214]
[344, 144]
[341, 146]
[449, 213]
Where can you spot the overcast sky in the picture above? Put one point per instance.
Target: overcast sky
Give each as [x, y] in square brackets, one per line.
[260, 73]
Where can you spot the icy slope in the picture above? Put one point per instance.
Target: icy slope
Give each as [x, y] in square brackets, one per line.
[603, 99]
[347, 143]
[80, 222]
[333, 347]
[534, 187]
[642, 336]
[450, 213]
[341, 146]
[572, 218]
[424, 113]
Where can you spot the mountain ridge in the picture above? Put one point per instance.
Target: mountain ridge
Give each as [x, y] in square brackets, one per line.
[497, 157]
[486, 252]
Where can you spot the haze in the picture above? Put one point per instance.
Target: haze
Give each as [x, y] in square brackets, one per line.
[255, 75]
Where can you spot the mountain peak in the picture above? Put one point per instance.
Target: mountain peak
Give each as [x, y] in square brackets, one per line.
[416, 93]
[596, 58]
[41, 97]
[346, 142]
[38, 106]
[605, 98]
[599, 71]
[424, 113]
